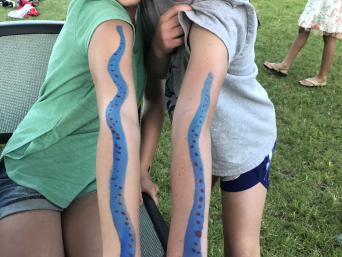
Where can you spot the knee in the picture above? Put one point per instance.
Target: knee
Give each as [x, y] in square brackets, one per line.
[328, 38]
[182, 117]
[303, 34]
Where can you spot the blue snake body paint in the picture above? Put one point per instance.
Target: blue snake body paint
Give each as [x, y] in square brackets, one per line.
[119, 211]
[192, 242]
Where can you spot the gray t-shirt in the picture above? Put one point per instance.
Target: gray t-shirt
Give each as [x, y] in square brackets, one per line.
[244, 126]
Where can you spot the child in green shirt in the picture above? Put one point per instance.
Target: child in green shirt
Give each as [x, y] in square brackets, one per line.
[47, 170]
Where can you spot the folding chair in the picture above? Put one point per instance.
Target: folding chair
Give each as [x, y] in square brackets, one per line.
[25, 48]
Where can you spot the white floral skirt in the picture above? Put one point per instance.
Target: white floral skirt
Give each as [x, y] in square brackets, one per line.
[323, 16]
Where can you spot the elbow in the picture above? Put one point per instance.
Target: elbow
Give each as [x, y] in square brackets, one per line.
[126, 119]
[184, 120]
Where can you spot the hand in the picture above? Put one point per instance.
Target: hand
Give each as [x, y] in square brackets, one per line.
[149, 187]
[169, 32]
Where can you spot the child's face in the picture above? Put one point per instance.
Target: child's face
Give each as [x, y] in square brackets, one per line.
[128, 2]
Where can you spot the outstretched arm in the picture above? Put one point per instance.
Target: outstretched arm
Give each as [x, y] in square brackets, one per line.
[151, 125]
[191, 160]
[117, 164]
[167, 37]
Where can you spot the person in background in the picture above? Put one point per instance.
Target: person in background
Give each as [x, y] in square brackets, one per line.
[322, 17]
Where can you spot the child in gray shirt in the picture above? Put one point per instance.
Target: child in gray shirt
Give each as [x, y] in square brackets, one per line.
[223, 121]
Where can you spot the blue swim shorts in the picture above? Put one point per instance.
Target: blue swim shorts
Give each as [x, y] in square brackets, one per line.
[261, 174]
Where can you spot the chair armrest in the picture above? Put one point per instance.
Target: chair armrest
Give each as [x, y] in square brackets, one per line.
[159, 224]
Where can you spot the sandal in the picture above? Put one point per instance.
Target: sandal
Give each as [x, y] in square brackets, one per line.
[312, 82]
[275, 69]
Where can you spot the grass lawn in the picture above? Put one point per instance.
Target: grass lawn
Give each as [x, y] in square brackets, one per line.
[303, 211]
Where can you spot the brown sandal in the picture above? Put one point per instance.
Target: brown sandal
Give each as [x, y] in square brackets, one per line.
[275, 69]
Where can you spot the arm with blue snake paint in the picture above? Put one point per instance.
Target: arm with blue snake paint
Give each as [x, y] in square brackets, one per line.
[117, 164]
[191, 142]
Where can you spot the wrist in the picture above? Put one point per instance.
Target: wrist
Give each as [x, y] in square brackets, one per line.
[157, 51]
[145, 176]
[158, 61]
[145, 170]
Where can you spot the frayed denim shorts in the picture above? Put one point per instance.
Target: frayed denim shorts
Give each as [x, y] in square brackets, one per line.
[15, 198]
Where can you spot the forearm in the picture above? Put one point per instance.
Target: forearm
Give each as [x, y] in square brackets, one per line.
[191, 161]
[118, 187]
[191, 175]
[157, 62]
[151, 123]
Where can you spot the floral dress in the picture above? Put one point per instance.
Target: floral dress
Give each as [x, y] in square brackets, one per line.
[323, 16]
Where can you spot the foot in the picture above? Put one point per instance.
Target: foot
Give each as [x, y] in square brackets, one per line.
[313, 82]
[278, 69]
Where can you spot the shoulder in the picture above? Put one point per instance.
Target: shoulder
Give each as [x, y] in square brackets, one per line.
[95, 9]
[93, 13]
[233, 21]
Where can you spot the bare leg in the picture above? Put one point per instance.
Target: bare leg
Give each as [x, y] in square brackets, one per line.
[297, 45]
[81, 228]
[242, 214]
[35, 233]
[327, 57]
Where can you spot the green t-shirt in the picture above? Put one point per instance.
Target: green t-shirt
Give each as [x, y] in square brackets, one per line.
[53, 150]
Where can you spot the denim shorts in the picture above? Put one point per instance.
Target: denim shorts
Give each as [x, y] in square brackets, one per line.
[15, 198]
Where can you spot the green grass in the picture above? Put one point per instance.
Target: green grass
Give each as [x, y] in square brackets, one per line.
[49, 10]
[303, 212]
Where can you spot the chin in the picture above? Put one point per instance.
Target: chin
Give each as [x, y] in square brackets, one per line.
[128, 2]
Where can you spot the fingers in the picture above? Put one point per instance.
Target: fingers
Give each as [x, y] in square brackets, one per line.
[168, 39]
[154, 196]
[177, 37]
[153, 193]
[173, 11]
[141, 201]
[177, 32]
[176, 42]
[171, 28]
[170, 24]
[169, 32]
[149, 187]
[173, 39]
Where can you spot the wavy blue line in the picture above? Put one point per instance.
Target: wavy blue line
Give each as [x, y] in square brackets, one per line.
[119, 211]
[192, 242]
